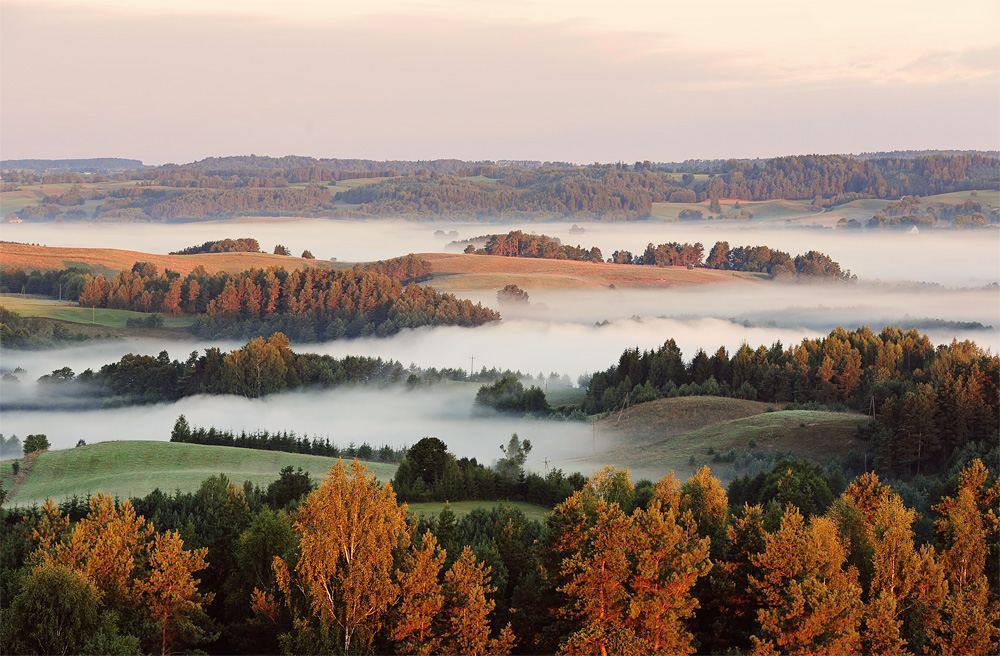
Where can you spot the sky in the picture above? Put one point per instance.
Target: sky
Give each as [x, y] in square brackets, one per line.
[553, 80]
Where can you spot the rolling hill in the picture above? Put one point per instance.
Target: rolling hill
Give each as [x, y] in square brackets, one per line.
[459, 272]
[136, 468]
[109, 261]
[682, 434]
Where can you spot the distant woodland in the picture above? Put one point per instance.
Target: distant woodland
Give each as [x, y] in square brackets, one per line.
[755, 259]
[301, 186]
[258, 368]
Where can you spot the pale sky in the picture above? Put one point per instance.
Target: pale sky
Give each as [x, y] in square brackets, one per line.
[571, 80]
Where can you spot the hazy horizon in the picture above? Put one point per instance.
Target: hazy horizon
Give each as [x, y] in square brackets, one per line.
[557, 81]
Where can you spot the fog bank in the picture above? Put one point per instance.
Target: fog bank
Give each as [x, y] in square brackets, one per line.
[392, 416]
[948, 257]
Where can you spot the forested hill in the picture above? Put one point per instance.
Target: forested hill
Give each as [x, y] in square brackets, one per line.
[928, 402]
[751, 259]
[93, 164]
[308, 305]
[299, 186]
[625, 192]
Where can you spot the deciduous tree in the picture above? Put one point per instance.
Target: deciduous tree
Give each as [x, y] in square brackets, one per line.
[350, 530]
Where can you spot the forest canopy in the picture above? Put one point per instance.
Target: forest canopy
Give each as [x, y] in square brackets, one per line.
[228, 187]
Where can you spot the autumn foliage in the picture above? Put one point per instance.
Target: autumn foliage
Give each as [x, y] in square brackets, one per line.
[617, 568]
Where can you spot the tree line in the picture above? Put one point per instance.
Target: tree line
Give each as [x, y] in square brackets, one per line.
[753, 259]
[926, 402]
[260, 367]
[285, 441]
[616, 567]
[240, 245]
[313, 304]
[227, 187]
[428, 472]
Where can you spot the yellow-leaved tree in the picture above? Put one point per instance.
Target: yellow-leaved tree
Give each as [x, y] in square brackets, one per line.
[342, 584]
[968, 528]
[144, 577]
[170, 592]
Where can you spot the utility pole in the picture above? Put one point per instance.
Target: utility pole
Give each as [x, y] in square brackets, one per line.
[472, 367]
[546, 467]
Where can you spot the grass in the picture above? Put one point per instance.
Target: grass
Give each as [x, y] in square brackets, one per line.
[565, 396]
[110, 261]
[133, 468]
[15, 201]
[33, 306]
[666, 439]
[463, 508]
[459, 272]
[656, 420]
[770, 210]
[343, 185]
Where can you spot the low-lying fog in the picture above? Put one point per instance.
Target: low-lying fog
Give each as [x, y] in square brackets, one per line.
[557, 332]
[949, 257]
[565, 332]
[395, 417]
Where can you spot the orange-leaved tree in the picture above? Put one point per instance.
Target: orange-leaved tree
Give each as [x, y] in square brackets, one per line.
[170, 592]
[422, 600]
[810, 602]
[626, 576]
[342, 586]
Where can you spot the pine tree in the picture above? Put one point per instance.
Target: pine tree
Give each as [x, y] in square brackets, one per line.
[809, 603]
[421, 600]
[170, 592]
[467, 610]
[669, 557]
[597, 586]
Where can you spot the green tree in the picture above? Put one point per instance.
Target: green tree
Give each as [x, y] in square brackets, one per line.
[291, 485]
[515, 455]
[33, 443]
[56, 612]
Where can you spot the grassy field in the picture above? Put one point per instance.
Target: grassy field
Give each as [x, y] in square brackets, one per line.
[343, 185]
[656, 420]
[109, 261]
[15, 201]
[565, 395]
[455, 272]
[463, 508]
[770, 210]
[34, 306]
[132, 468]
[670, 436]
[988, 198]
